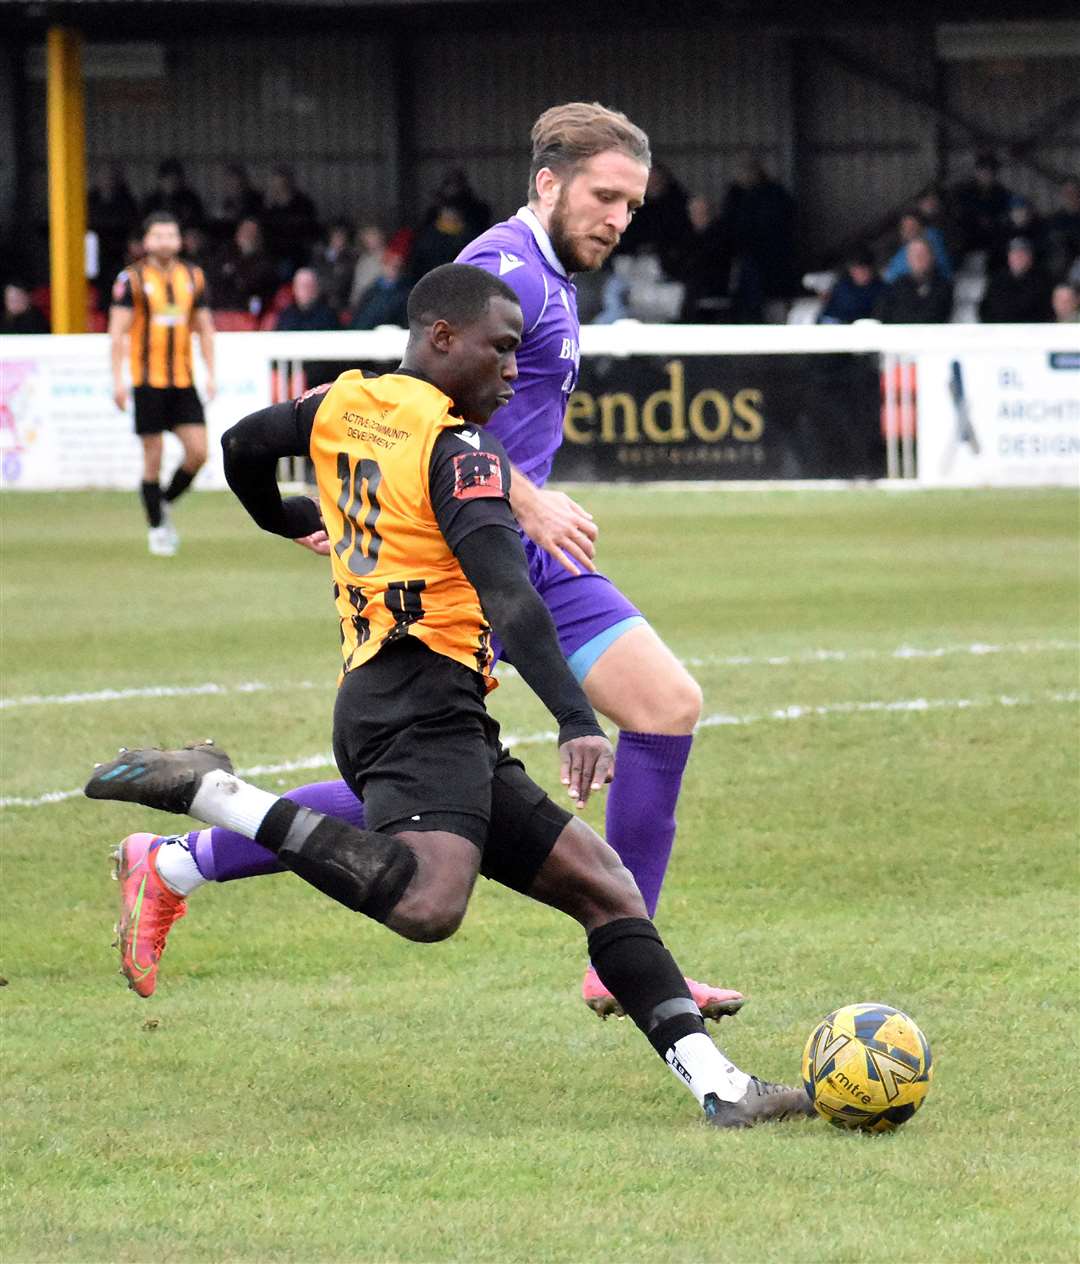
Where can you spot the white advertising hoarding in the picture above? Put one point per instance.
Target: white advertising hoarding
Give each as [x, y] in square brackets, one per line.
[993, 405]
[60, 429]
[1000, 417]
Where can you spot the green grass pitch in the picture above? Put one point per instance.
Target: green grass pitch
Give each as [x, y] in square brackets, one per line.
[882, 805]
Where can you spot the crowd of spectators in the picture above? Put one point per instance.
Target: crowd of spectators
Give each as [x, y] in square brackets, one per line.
[974, 252]
[977, 252]
[268, 260]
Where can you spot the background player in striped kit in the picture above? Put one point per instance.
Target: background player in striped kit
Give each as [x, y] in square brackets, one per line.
[156, 303]
[588, 174]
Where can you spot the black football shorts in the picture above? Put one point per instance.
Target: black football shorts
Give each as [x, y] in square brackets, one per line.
[414, 740]
[159, 408]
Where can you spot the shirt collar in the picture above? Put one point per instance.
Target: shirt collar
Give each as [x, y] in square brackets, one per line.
[528, 216]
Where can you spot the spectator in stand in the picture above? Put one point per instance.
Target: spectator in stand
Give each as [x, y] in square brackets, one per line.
[384, 301]
[289, 221]
[134, 249]
[662, 226]
[455, 191]
[307, 311]
[20, 315]
[707, 266]
[1021, 220]
[982, 205]
[856, 294]
[239, 200]
[196, 246]
[1019, 293]
[931, 208]
[910, 227]
[112, 213]
[1066, 304]
[334, 261]
[244, 278]
[440, 241]
[369, 262]
[921, 296]
[1063, 229]
[1024, 221]
[173, 195]
[758, 220]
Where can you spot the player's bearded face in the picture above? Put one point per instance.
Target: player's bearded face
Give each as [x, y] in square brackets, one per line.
[594, 208]
[162, 241]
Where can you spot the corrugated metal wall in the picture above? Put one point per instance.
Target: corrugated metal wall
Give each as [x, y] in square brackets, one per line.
[862, 147]
[317, 103]
[708, 96]
[1013, 98]
[705, 97]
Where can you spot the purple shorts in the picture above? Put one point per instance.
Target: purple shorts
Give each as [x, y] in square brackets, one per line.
[588, 610]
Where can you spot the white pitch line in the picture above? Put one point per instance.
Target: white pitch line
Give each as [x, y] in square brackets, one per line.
[158, 691]
[977, 649]
[917, 705]
[311, 763]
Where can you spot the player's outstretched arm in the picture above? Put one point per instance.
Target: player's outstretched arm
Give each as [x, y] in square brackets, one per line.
[558, 524]
[494, 563]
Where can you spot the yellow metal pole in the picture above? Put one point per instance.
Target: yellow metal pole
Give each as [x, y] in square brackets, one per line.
[67, 181]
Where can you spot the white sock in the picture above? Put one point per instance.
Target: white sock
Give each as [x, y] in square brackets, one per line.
[225, 800]
[176, 866]
[706, 1069]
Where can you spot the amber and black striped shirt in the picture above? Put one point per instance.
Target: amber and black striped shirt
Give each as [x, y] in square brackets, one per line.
[163, 302]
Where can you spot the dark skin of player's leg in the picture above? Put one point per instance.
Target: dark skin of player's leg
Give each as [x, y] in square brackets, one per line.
[585, 879]
[436, 899]
[582, 877]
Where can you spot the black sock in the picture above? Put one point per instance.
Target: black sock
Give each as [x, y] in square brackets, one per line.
[636, 968]
[151, 499]
[362, 869]
[181, 481]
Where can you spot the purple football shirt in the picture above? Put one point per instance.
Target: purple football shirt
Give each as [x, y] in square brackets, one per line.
[519, 252]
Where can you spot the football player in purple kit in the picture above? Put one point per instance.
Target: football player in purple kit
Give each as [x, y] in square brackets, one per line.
[588, 174]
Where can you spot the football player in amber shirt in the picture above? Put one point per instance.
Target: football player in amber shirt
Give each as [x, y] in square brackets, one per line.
[156, 305]
[427, 563]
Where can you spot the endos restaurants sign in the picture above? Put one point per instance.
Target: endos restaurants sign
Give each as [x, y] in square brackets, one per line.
[734, 417]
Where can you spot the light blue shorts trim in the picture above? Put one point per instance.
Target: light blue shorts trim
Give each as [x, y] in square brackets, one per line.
[581, 661]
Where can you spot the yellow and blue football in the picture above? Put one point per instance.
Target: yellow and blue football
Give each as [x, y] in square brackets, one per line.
[867, 1067]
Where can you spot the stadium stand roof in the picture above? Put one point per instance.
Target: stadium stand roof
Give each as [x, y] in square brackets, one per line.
[39, 13]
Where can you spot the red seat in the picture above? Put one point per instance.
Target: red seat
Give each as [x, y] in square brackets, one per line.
[96, 321]
[41, 297]
[235, 322]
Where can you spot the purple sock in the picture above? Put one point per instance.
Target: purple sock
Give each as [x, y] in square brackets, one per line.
[641, 806]
[223, 855]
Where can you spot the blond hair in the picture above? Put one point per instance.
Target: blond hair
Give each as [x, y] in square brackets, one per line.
[566, 136]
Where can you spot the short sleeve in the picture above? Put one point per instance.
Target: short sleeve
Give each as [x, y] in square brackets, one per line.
[122, 295]
[525, 279]
[469, 482]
